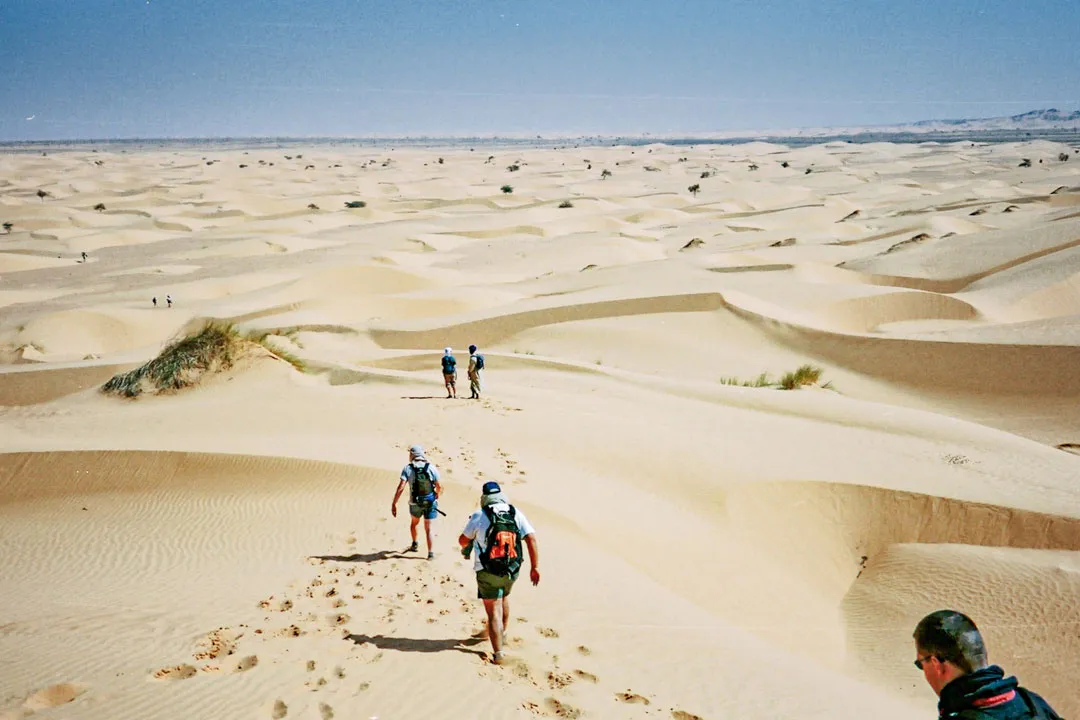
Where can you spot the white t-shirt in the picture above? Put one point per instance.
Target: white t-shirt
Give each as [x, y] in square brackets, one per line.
[477, 527]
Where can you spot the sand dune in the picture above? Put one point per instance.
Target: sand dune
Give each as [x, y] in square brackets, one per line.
[227, 551]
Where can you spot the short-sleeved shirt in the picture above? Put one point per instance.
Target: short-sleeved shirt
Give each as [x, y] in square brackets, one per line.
[408, 474]
[477, 527]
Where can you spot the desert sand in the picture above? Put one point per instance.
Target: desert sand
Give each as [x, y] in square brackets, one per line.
[709, 550]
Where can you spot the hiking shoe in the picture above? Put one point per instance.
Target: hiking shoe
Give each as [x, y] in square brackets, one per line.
[430, 555]
[413, 548]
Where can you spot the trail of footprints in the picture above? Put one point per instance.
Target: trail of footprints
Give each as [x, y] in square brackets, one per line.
[360, 600]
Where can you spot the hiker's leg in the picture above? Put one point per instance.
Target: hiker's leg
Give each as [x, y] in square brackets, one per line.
[495, 631]
[413, 522]
[427, 533]
[505, 616]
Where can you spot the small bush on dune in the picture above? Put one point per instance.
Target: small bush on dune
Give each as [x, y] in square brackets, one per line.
[100, 207]
[356, 204]
[762, 380]
[566, 204]
[800, 377]
[8, 226]
[694, 189]
[605, 174]
[507, 189]
[181, 363]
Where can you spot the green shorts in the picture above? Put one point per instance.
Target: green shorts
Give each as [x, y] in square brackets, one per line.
[425, 511]
[493, 587]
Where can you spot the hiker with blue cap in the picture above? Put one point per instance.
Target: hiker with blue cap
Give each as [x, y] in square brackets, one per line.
[424, 490]
[494, 536]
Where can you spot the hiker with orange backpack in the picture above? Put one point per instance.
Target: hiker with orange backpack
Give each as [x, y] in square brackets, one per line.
[494, 535]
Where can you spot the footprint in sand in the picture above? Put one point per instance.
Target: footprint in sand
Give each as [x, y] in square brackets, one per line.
[633, 698]
[557, 680]
[54, 696]
[217, 643]
[583, 675]
[311, 666]
[326, 711]
[279, 710]
[176, 672]
[683, 715]
[584, 650]
[246, 664]
[561, 709]
[547, 632]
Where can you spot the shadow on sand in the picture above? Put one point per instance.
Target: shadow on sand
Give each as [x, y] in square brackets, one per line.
[420, 645]
[369, 557]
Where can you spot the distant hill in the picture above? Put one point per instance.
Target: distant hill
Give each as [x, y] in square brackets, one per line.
[1034, 120]
[1049, 119]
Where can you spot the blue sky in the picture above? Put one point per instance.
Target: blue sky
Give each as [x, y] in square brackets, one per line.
[213, 68]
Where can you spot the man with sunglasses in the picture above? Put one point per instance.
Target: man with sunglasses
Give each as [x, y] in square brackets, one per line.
[950, 652]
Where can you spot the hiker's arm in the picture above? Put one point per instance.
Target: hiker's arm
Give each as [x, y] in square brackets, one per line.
[534, 558]
[393, 505]
[464, 540]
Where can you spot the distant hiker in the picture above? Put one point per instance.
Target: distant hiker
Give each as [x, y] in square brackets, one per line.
[494, 536]
[84, 257]
[154, 300]
[950, 652]
[168, 300]
[424, 491]
[476, 366]
[449, 372]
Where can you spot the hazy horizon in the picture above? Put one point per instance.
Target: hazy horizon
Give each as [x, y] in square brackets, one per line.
[113, 69]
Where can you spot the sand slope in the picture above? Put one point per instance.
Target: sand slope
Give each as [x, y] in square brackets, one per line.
[228, 551]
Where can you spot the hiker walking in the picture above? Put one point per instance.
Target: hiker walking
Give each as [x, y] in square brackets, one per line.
[476, 366]
[949, 650]
[84, 256]
[168, 300]
[449, 372]
[154, 300]
[424, 490]
[494, 536]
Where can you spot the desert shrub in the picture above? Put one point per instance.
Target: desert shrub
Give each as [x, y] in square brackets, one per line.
[800, 377]
[181, 363]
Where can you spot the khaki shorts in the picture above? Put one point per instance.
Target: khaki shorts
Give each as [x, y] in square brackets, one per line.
[493, 587]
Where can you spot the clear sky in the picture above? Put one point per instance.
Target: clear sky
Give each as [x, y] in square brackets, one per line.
[213, 68]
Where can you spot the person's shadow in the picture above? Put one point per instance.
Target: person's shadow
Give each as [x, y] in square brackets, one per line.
[369, 557]
[384, 642]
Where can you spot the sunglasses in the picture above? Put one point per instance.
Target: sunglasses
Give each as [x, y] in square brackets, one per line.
[919, 662]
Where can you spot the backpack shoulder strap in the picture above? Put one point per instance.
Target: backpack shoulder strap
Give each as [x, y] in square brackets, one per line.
[1037, 710]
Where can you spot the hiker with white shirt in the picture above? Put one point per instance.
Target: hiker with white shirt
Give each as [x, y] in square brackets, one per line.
[494, 536]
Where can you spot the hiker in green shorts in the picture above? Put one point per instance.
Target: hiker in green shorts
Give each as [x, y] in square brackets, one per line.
[496, 532]
[424, 490]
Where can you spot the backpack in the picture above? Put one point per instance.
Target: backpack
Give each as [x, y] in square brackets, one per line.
[479, 362]
[449, 364]
[423, 484]
[502, 545]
